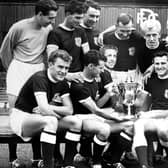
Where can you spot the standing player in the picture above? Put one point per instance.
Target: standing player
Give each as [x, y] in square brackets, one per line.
[91, 17]
[70, 37]
[127, 41]
[151, 30]
[22, 52]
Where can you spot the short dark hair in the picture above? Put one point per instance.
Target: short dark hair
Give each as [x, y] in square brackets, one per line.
[64, 55]
[108, 46]
[91, 3]
[74, 6]
[92, 57]
[124, 18]
[45, 6]
[160, 54]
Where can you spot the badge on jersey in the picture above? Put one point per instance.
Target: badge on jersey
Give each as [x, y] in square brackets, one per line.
[78, 41]
[57, 98]
[166, 93]
[131, 51]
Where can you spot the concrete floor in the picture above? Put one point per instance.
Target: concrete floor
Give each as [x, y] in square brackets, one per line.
[24, 153]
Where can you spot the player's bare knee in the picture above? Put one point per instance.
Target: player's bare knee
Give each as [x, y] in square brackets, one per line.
[73, 122]
[104, 130]
[51, 123]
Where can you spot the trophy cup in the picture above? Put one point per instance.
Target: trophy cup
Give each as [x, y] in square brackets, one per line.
[128, 92]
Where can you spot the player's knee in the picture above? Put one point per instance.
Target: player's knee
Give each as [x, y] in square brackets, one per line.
[51, 123]
[73, 122]
[104, 130]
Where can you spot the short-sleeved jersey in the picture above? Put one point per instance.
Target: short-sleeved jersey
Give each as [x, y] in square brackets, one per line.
[71, 41]
[128, 50]
[82, 91]
[147, 57]
[105, 79]
[39, 82]
[159, 91]
[92, 36]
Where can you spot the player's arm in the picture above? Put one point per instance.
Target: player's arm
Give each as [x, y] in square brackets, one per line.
[52, 43]
[10, 40]
[108, 113]
[66, 108]
[85, 44]
[50, 48]
[74, 76]
[109, 29]
[46, 109]
[154, 114]
[104, 99]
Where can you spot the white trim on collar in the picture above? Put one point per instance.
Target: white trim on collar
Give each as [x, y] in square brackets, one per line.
[65, 28]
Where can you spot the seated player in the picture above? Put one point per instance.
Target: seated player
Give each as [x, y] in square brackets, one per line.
[155, 120]
[89, 118]
[33, 114]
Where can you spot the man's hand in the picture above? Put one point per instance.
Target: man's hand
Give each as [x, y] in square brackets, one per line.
[148, 73]
[76, 77]
[100, 39]
[37, 110]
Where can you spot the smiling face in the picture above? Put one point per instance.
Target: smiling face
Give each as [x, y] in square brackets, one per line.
[111, 55]
[45, 20]
[91, 17]
[161, 66]
[59, 69]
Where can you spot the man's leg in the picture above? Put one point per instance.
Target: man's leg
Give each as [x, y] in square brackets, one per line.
[102, 131]
[73, 124]
[140, 142]
[12, 146]
[48, 126]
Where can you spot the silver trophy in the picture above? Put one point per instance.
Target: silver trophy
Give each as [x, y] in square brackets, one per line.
[128, 91]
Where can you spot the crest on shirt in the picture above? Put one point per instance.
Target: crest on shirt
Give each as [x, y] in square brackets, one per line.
[131, 51]
[56, 98]
[166, 93]
[96, 40]
[78, 41]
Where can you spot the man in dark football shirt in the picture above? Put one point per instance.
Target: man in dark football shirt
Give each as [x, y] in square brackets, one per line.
[90, 19]
[70, 37]
[33, 112]
[155, 120]
[151, 31]
[127, 41]
[89, 117]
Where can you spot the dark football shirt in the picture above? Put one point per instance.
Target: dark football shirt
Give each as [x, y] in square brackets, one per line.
[39, 82]
[128, 50]
[82, 91]
[105, 79]
[71, 41]
[159, 91]
[92, 36]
